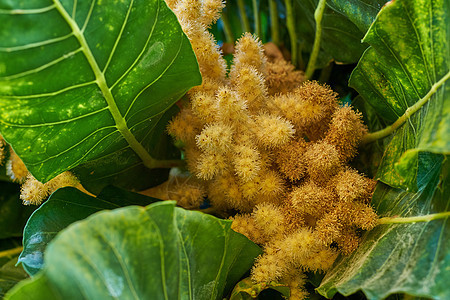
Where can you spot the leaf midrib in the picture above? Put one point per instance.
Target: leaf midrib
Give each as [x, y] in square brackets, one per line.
[100, 80]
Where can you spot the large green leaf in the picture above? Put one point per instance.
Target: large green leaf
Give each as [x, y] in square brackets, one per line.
[64, 207]
[411, 258]
[10, 275]
[360, 12]
[344, 24]
[405, 69]
[89, 80]
[13, 214]
[158, 252]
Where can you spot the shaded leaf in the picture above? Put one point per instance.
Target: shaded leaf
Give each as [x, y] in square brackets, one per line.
[13, 214]
[343, 26]
[10, 275]
[64, 207]
[115, 169]
[247, 289]
[90, 80]
[410, 258]
[409, 54]
[158, 252]
[360, 12]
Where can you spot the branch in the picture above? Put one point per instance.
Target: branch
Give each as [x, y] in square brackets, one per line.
[318, 14]
[256, 18]
[274, 26]
[290, 23]
[243, 15]
[11, 252]
[425, 218]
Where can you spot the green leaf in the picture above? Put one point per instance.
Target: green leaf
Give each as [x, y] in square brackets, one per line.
[343, 28]
[360, 12]
[247, 289]
[410, 258]
[64, 207]
[114, 169]
[158, 252]
[13, 214]
[90, 80]
[404, 72]
[10, 274]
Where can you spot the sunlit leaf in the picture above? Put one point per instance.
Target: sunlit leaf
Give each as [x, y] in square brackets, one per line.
[405, 70]
[84, 81]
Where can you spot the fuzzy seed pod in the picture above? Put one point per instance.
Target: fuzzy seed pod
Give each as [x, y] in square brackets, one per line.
[291, 161]
[272, 185]
[312, 199]
[249, 84]
[350, 185]
[269, 266]
[188, 9]
[296, 281]
[269, 220]
[211, 11]
[210, 165]
[272, 131]
[204, 106]
[252, 188]
[245, 224]
[346, 131]
[282, 77]
[62, 180]
[33, 192]
[231, 108]
[348, 241]
[185, 126]
[15, 168]
[249, 51]
[315, 105]
[323, 162]
[215, 138]
[246, 162]
[2, 150]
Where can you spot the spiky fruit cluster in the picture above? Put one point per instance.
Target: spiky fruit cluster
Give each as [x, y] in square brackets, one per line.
[276, 150]
[32, 191]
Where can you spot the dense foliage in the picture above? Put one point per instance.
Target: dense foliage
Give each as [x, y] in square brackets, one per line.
[89, 91]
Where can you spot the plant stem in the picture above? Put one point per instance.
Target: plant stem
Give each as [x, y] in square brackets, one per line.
[425, 218]
[229, 38]
[256, 18]
[318, 14]
[373, 136]
[11, 252]
[274, 26]
[326, 72]
[290, 24]
[244, 20]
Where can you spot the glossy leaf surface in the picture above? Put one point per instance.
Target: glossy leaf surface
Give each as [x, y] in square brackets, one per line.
[158, 252]
[344, 24]
[89, 80]
[407, 67]
[64, 207]
[10, 275]
[412, 258]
